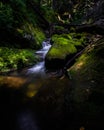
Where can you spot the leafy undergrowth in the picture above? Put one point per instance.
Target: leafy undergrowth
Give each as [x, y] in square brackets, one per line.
[15, 58]
[66, 44]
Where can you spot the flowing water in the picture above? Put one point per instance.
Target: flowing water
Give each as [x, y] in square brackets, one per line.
[15, 112]
[39, 69]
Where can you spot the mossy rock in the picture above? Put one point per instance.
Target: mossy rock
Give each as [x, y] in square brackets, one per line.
[64, 46]
[33, 34]
[89, 67]
[87, 94]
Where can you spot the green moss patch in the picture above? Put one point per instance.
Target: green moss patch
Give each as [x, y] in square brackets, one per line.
[33, 33]
[87, 73]
[65, 44]
[90, 64]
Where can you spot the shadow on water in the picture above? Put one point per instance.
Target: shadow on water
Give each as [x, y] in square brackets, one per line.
[10, 103]
[26, 105]
[46, 105]
[16, 105]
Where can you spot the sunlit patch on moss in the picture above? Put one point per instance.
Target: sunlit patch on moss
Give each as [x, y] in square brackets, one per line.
[60, 51]
[83, 59]
[78, 66]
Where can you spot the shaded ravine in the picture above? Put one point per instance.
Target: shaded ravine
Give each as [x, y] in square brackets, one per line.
[35, 100]
[26, 97]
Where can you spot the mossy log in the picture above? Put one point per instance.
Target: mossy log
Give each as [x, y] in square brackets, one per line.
[94, 28]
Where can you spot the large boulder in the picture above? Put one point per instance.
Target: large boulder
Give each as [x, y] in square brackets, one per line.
[64, 47]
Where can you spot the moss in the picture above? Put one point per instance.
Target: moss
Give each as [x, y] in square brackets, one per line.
[87, 72]
[86, 97]
[90, 62]
[59, 28]
[39, 35]
[33, 33]
[61, 50]
[64, 45]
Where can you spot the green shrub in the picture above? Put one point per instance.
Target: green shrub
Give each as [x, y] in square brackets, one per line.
[10, 58]
[6, 16]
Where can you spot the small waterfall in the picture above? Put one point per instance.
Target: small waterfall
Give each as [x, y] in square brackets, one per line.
[39, 68]
[44, 44]
[45, 47]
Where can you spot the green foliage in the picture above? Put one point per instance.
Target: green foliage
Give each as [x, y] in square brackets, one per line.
[6, 16]
[20, 20]
[59, 28]
[19, 11]
[80, 11]
[10, 58]
[49, 14]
